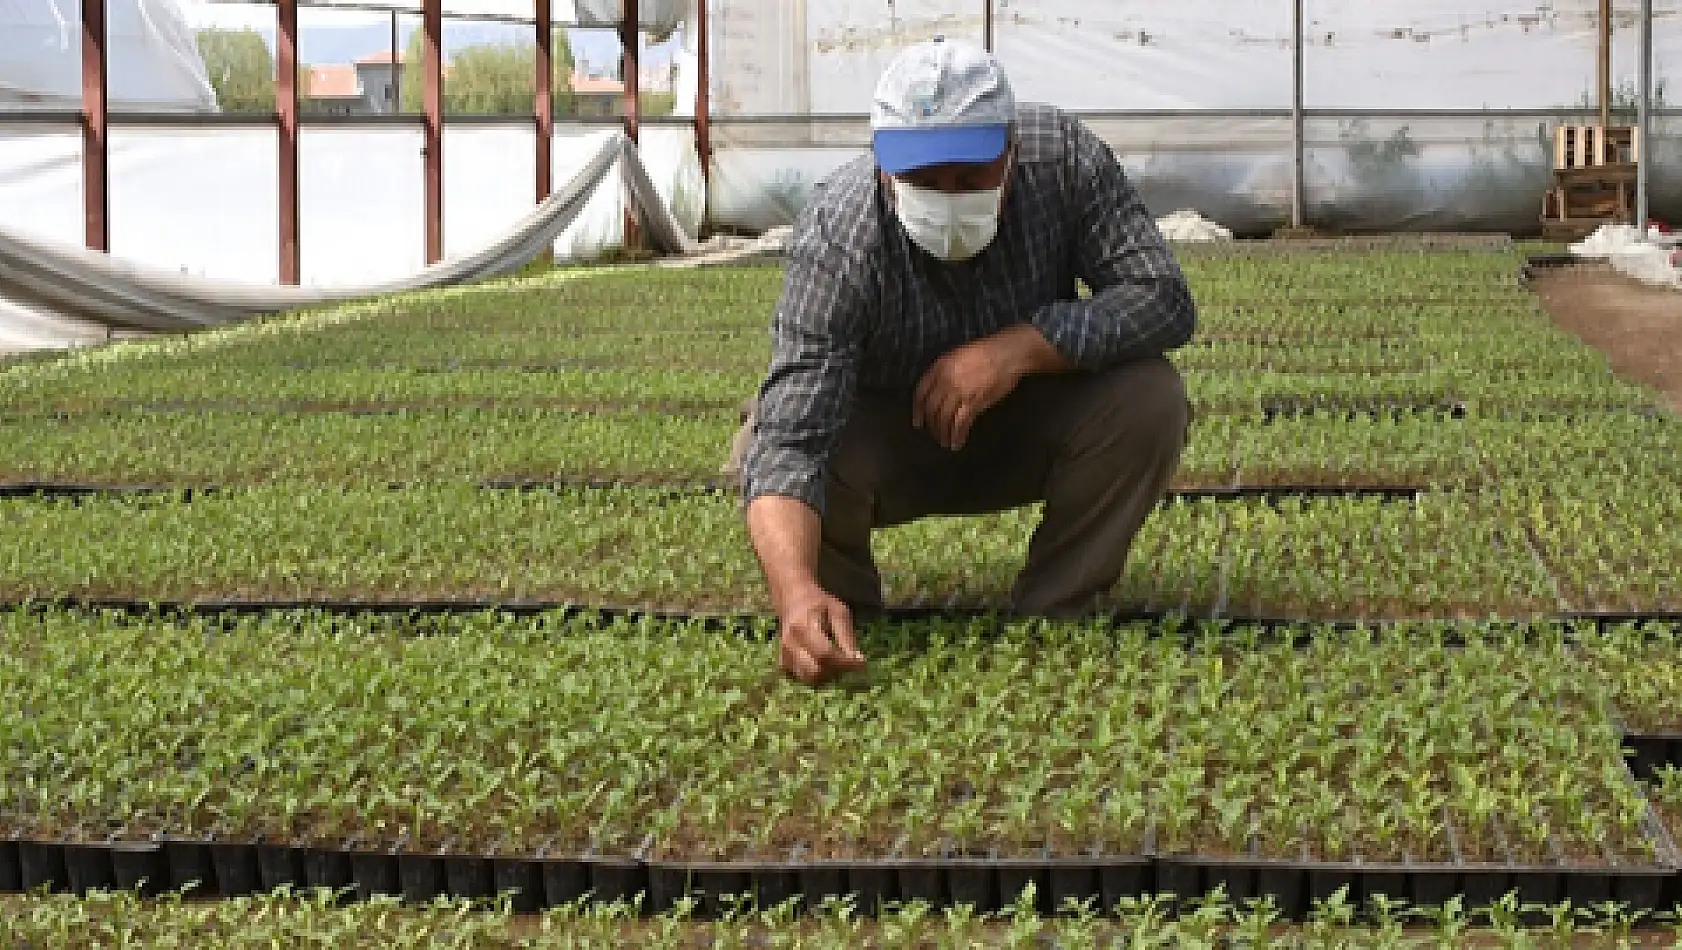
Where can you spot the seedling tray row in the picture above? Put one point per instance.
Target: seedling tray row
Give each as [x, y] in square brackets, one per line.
[535, 883]
[1297, 628]
[660, 488]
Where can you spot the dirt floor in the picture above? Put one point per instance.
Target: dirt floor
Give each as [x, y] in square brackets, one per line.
[1638, 326]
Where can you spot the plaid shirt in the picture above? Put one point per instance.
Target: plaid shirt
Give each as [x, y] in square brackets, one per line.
[862, 307]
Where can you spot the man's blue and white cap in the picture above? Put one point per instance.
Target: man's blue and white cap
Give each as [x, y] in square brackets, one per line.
[941, 102]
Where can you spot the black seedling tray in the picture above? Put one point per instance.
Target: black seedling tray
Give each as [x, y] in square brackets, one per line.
[664, 490]
[1542, 263]
[1295, 886]
[1651, 751]
[78, 491]
[987, 883]
[747, 623]
[1275, 494]
[1355, 410]
[1611, 618]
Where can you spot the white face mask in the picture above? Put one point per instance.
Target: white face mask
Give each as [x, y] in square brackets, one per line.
[952, 227]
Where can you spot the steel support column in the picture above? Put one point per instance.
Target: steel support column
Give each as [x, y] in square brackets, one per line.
[1299, 210]
[544, 105]
[1603, 79]
[286, 123]
[396, 69]
[545, 100]
[1643, 122]
[96, 198]
[432, 29]
[703, 91]
[630, 44]
[987, 25]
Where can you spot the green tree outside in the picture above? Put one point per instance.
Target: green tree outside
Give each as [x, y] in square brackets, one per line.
[656, 103]
[490, 78]
[484, 78]
[240, 68]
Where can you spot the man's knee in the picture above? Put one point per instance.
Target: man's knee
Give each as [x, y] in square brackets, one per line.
[864, 457]
[1140, 407]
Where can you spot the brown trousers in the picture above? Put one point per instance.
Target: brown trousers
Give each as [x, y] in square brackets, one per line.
[1099, 449]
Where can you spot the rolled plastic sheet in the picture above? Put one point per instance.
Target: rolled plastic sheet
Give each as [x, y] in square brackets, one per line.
[24, 328]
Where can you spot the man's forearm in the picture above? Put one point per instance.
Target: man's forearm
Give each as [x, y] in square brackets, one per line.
[787, 536]
[1030, 352]
[1126, 321]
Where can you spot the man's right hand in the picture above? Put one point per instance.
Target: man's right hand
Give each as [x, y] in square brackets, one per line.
[816, 639]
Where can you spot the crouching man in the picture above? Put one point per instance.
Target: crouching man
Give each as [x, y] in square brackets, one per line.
[932, 356]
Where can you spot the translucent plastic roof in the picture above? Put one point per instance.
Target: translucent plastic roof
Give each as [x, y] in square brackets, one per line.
[154, 62]
[652, 13]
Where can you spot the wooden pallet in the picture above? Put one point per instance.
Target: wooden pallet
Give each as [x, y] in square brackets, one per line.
[1594, 180]
[1591, 146]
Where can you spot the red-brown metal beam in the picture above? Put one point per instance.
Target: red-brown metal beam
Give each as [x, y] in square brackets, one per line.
[630, 44]
[96, 198]
[703, 92]
[286, 122]
[432, 30]
[545, 103]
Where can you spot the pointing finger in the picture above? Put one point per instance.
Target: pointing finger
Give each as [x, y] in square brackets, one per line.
[841, 625]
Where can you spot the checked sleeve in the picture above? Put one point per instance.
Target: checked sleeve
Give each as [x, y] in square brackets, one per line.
[816, 338]
[1140, 305]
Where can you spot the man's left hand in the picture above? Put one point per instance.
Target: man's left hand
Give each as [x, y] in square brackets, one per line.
[963, 384]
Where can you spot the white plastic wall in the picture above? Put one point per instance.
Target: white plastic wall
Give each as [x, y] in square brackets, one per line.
[41, 180]
[200, 200]
[800, 58]
[203, 200]
[796, 57]
[1188, 54]
[1194, 64]
[1455, 54]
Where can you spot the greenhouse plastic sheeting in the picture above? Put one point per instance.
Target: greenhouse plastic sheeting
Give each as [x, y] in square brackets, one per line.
[1373, 173]
[805, 57]
[201, 200]
[154, 62]
[1485, 80]
[76, 284]
[658, 17]
[41, 180]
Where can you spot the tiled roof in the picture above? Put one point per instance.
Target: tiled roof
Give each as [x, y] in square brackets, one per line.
[333, 82]
[597, 85]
